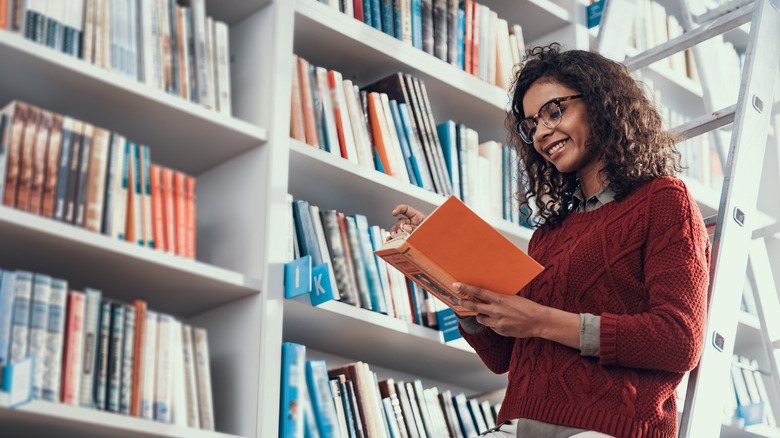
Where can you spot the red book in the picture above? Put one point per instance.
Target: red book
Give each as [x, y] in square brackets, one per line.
[335, 83]
[158, 225]
[180, 213]
[138, 357]
[357, 7]
[475, 17]
[74, 347]
[169, 208]
[191, 219]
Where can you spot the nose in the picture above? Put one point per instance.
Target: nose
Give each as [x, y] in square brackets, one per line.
[542, 131]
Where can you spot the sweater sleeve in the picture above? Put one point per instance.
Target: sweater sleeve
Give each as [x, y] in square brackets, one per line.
[494, 350]
[668, 333]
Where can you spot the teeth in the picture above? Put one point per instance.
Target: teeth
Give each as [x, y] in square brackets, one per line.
[556, 148]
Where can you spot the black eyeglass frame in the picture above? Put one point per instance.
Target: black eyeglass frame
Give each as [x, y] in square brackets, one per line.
[530, 135]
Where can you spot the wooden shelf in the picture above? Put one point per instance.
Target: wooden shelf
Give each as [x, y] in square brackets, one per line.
[168, 124]
[42, 418]
[119, 269]
[378, 339]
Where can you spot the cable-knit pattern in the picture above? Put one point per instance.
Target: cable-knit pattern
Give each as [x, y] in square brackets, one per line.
[642, 264]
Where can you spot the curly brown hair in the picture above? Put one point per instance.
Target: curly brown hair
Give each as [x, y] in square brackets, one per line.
[626, 131]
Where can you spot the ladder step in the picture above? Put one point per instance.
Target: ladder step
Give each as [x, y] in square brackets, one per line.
[720, 11]
[689, 39]
[706, 123]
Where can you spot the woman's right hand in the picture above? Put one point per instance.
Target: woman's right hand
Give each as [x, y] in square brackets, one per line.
[411, 219]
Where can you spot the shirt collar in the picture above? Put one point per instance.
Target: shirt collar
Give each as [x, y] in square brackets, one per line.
[604, 196]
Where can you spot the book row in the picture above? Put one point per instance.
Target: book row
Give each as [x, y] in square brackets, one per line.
[748, 398]
[388, 126]
[464, 33]
[350, 401]
[103, 354]
[168, 44]
[62, 168]
[359, 278]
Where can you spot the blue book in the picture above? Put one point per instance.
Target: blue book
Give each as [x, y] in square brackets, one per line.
[414, 297]
[297, 277]
[7, 292]
[304, 230]
[114, 370]
[55, 338]
[460, 36]
[392, 422]
[506, 182]
[449, 146]
[378, 161]
[397, 23]
[406, 151]
[421, 170]
[17, 380]
[376, 14]
[101, 365]
[20, 324]
[323, 406]
[388, 22]
[292, 390]
[417, 24]
[375, 235]
[91, 333]
[376, 292]
[39, 326]
[368, 17]
[358, 263]
[464, 415]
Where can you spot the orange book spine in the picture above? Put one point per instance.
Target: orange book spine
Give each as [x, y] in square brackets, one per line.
[74, 347]
[338, 112]
[40, 152]
[27, 157]
[52, 167]
[168, 210]
[20, 116]
[3, 14]
[138, 357]
[191, 216]
[157, 207]
[297, 129]
[475, 17]
[307, 102]
[381, 135]
[180, 212]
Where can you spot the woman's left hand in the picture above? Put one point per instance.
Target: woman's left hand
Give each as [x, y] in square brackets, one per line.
[519, 317]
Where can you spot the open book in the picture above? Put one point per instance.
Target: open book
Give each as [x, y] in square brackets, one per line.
[453, 244]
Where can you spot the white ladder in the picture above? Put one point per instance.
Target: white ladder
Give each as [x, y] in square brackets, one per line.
[733, 240]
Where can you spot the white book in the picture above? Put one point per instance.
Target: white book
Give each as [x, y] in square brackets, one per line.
[73, 25]
[185, 35]
[768, 415]
[210, 64]
[398, 155]
[336, 84]
[128, 359]
[191, 383]
[179, 407]
[164, 370]
[326, 111]
[149, 366]
[88, 358]
[55, 338]
[39, 317]
[135, 192]
[363, 146]
[492, 47]
[121, 188]
[223, 62]
[203, 370]
[20, 323]
[146, 197]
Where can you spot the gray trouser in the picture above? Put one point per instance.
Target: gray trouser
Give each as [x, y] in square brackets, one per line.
[536, 429]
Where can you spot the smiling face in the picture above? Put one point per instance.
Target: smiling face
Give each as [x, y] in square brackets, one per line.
[564, 145]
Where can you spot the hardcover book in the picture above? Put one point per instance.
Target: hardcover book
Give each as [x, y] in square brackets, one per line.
[454, 244]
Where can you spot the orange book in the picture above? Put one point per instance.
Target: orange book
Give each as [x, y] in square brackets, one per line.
[191, 219]
[454, 244]
[297, 130]
[158, 223]
[180, 213]
[3, 14]
[27, 156]
[381, 134]
[138, 357]
[307, 102]
[74, 348]
[52, 168]
[169, 208]
[40, 152]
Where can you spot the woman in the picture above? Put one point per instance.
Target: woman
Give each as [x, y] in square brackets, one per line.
[598, 342]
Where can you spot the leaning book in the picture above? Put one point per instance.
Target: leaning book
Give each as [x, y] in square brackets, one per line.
[453, 244]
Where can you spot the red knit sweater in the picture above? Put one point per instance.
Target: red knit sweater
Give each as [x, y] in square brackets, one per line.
[642, 263]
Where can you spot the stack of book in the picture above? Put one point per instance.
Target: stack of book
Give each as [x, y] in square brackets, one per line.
[62, 168]
[464, 33]
[168, 44]
[349, 401]
[102, 354]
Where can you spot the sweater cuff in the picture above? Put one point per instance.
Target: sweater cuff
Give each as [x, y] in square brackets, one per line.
[608, 339]
[589, 334]
[482, 340]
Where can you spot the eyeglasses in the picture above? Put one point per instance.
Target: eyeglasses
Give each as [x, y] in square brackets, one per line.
[549, 114]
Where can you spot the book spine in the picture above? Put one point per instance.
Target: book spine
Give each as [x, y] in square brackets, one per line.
[21, 316]
[169, 209]
[179, 407]
[322, 401]
[19, 112]
[191, 205]
[358, 264]
[180, 211]
[39, 326]
[149, 366]
[137, 190]
[114, 376]
[330, 227]
[203, 369]
[91, 331]
[146, 197]
[61, 195]
[52, 168]
[109, 191]
[307, 238]
[40, 155]
[96, 180]
[139, 350]
[102, 357]
[5, 141]
[74, 348]
[190, 378]
[73, 172]
[26, 158]
[7, 295]
[376, 291]
[128, 357]
[120, 211]
[292, 390]
[55, 338]
[158, 223]
[83, 174]
[162, 387]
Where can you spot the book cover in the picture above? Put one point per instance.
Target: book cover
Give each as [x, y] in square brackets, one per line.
[92, 312]
[39, 325]
[292, 389]
[55, 338]
[321, 398]
[74, 348]
[439, 253]
[101, 366]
